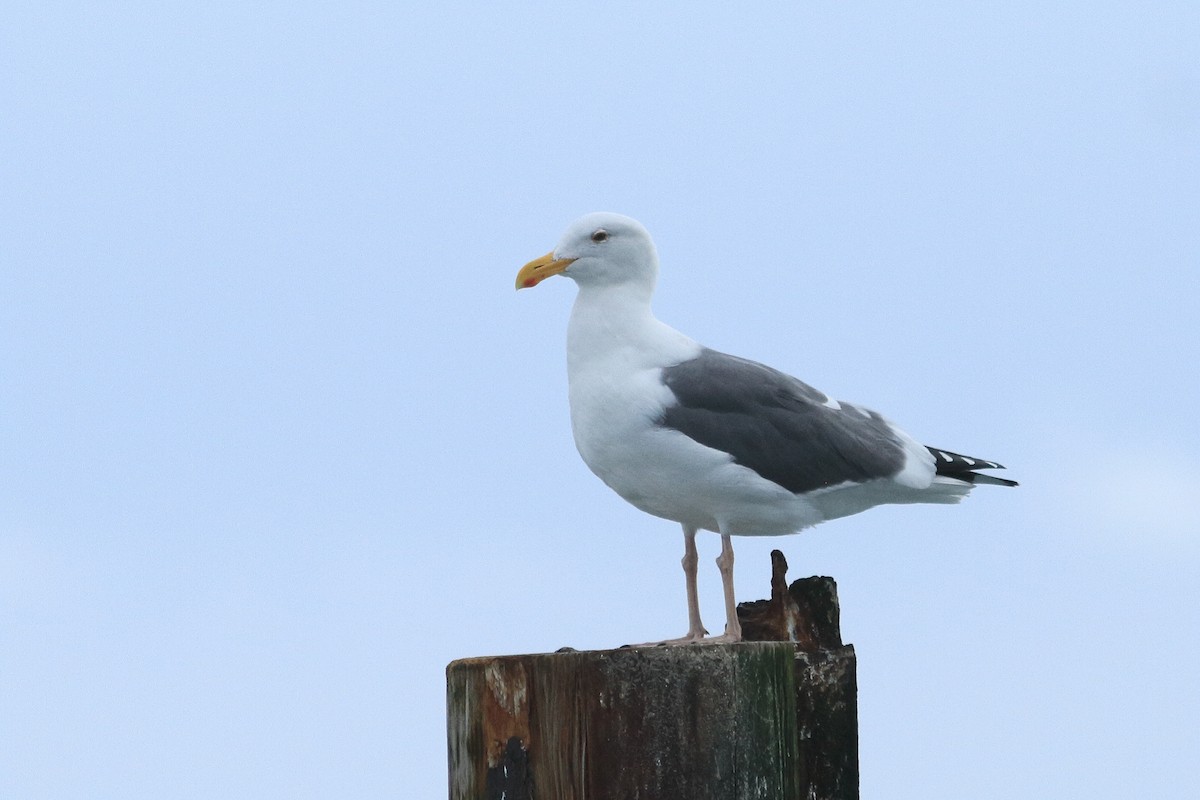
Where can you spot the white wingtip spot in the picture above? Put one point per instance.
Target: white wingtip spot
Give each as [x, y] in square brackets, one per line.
[831, 403]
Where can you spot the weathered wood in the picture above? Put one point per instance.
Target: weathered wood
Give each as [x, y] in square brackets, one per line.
[766, 719]
[688, 722]
[827, 723]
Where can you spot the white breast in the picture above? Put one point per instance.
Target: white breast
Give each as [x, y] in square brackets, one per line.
[616, 353]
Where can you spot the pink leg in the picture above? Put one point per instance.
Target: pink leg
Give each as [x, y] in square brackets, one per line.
[690, 563]
[696, 632]
[733, 628]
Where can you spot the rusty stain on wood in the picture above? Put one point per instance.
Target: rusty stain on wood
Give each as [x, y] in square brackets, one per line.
[806, 612]
[505, 704]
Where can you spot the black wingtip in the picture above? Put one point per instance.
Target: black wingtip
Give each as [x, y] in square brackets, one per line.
[963, 468]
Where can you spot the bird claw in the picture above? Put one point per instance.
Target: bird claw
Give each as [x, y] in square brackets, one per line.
[692, 639]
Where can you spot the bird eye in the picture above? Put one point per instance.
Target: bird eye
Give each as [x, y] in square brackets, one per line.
[600, 235]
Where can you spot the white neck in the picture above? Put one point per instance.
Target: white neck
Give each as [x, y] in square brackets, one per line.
[610, 322]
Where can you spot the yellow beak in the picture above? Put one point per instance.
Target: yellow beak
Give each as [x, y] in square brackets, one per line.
[539, 269]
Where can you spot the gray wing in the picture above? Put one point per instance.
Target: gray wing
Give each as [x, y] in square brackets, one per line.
[782, 428]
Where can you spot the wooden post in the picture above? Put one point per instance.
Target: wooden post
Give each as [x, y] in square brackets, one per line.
[763, 719]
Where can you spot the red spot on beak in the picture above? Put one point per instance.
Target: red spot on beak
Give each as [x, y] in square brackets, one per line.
[530, 282]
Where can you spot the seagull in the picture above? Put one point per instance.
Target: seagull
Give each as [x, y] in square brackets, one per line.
[712, 441]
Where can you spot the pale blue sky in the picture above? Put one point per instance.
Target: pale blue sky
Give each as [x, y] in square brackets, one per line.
[278, 440]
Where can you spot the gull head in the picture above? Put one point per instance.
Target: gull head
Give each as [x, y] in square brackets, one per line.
[598, 249]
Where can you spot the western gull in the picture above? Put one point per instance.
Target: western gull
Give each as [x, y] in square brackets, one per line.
[713, 441]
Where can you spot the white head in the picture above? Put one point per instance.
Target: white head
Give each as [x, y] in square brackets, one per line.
[598, 249]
